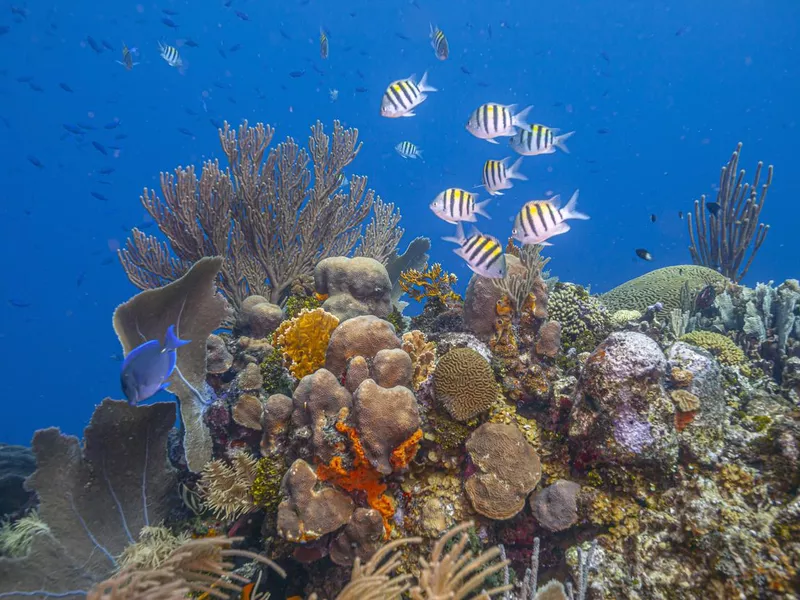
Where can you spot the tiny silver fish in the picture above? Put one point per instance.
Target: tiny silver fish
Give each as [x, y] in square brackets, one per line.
[493, 120]
[540, 220]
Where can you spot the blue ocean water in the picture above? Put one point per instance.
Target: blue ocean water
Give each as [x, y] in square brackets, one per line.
[659, 94]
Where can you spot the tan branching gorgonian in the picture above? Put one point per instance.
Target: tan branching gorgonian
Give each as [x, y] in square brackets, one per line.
[225, 487]
[272, 213]
[518, 287]
[204, 566]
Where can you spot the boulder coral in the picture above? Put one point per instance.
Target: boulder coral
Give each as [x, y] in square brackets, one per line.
[505, 469]
[354, 287]
[258, 317]
[318, 400]
[621, 412]
[360, 336]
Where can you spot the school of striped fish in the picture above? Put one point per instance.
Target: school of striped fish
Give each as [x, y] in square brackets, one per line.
[537, 221]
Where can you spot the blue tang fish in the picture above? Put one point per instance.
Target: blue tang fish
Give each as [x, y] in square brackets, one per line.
[148, 366]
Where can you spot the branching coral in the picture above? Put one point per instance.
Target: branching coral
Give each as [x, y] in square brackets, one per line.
[304, 340]
[263, 213]
[434, 283]
[203, 566]
[723, 236]
[226, 488]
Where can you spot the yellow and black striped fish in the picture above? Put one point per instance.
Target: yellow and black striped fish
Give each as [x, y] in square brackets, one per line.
[540, 220]
[170, 54]
[403, 96]
[493, 120]
[496, 176]
[455, 205]
[439, 42]
[323, 44]
[539, 139]
[408, 150]
[483, 253]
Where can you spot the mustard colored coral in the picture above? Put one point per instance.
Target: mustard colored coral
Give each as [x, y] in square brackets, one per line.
[724, 348]
[434, 282]
[304, 340]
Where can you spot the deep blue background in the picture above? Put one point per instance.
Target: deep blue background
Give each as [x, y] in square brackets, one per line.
[675, 84]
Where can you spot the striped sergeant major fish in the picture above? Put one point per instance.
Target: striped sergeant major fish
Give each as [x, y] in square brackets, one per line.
[493, 120]
[403, 96]
[408, 150]
[482, 253]
[323, 44]
[439, 42]
[540, 220]
[170, 54]
[496, 176]
[538, 139]
[455, 205]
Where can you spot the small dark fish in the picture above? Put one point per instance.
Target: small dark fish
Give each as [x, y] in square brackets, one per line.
[216, 123]
[94, 45]
[705, 298]
[111, 125]
[231, 99]
[81, 277]
[86, 127]
[189, 111]
[35, 87]
[713, 208]
[109, 260]
[489, 30]
[361, 90]
[483, 84]
[100, 148]
[127, 58]
[222, 52]
[19, 303]
[170, 12]
[323, 44]
[682, 30]
[652, 218]
[169, 23]
[296, 74]
[242, 15]
[680, 214]
[402, 36]
[147, 367]
[604, 56]
[603, 131]
[235, 48]
[100, 196]
[284, 35]
[35, 161]
[107, 45]
[643, 254]
[19, 11]
[466, 71]
[185, 131]
[121, 136]
[106, 170]
[220, 85]
[191, 43]
[73, 129]
[227, 3]
[360, 74]
[318, 70]
[65, 87]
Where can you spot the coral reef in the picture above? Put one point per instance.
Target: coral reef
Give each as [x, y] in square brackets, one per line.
[433, 283]
[724, 348]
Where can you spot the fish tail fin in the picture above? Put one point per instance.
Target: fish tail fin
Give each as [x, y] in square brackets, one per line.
[172, 342]
[559, 140]
[459, 237]
[479, 206]
[419, 155]
[570, 211]
[521, 118]
[513, 171]
[423, 84]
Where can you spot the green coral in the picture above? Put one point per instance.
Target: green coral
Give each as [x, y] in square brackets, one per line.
[585, 322]
[724, 348]
[267, 483]
[295, 304]
[622, 317]
[16, 537]
[662, 285]
[274, 375]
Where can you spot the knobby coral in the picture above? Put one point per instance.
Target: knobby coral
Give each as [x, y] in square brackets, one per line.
[263, 213]
[304, 340]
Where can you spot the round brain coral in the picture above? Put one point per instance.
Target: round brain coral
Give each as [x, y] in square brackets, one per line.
[304, 340]
[724, 348]
[662, 285]
[464, 383]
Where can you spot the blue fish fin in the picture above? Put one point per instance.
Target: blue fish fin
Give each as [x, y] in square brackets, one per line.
[171, 342]
[164, 386]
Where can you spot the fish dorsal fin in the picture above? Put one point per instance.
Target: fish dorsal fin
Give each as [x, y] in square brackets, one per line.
[473, 231]
[555, 201]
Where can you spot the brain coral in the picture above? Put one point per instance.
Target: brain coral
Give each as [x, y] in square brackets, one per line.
[724, 348]
[464, 383]
[662, 285]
